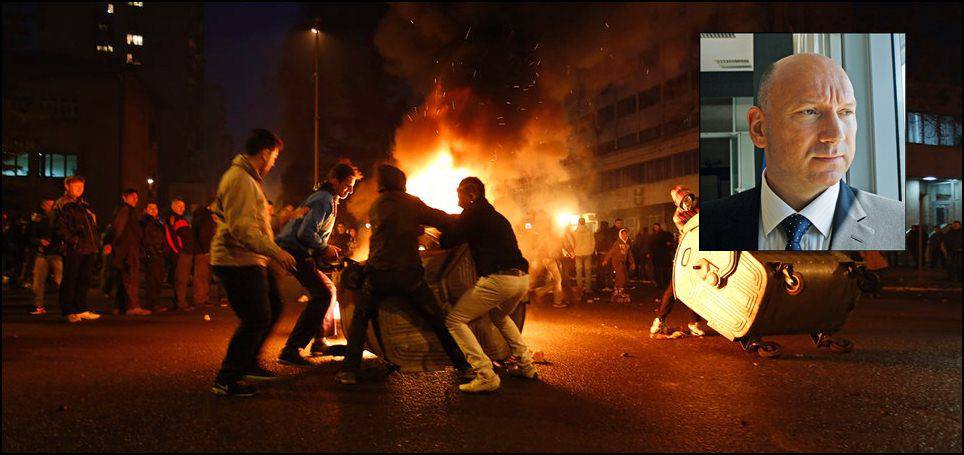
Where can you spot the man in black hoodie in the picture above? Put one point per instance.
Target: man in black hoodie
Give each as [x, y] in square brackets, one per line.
[154, 247]
[203, 231]
[394, 268]
[76, 224]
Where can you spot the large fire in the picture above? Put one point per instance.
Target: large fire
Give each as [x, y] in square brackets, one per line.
[435, 181]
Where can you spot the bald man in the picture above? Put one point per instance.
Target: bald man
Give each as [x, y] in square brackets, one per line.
[806, 124]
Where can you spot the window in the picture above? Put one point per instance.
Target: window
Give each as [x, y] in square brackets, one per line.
[606, 114]
[136, 40]
[105, 48]
[16, 164]
[102, 27]
[57, 165]
[131, 59]
[110, 8]
[933, 129]
[649, 98]
[136, 4]
[649, 134]
[606, 147]
[626, 106]
[628, 140]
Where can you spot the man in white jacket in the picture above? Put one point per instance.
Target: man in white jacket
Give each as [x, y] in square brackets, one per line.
[584, 245]
[242, 245]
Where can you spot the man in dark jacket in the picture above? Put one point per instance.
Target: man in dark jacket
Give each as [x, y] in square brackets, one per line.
[203, 232]
[604, 242]
[49, 259]
[124, 247]
[503, 282]
[394, 268]
[177, 231]
[662, 248]
[76, 224]
[154, 247]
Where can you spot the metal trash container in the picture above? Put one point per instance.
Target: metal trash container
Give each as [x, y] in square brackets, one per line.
[402, 338]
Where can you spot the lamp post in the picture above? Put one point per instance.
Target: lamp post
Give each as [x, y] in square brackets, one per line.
[315, 31]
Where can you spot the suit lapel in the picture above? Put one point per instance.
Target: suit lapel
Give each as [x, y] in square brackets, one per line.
[848, 231]
[743, 225]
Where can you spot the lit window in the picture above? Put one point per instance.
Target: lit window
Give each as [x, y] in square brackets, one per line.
[105, 48]
[136, 40]
[136, 4]
[57, 165]
[16, 165]
[110, 8]
[102, 27]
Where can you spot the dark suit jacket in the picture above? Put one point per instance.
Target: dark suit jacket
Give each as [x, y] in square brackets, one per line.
[861, 221]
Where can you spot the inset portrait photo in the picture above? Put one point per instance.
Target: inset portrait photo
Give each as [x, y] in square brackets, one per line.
[802, 142]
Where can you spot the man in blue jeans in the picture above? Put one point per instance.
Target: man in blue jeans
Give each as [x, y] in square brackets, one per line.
[240, 251]
[307, 239]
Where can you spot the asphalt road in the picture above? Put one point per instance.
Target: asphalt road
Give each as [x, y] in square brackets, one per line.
[126, 384]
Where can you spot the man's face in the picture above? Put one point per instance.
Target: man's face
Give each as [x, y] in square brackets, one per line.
[466, 196]
[47, 205]
[130, 199]
[75, 189]
[956, 226]
[269, 157]
[808, 127]
[618, 224]
[177, 207]
[344, 188]
[151, 210]
[340, 228]
[656, 228]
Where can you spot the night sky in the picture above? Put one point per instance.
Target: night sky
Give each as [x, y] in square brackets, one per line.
[243, 46]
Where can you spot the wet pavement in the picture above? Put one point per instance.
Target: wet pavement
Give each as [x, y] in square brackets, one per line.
[142, 384]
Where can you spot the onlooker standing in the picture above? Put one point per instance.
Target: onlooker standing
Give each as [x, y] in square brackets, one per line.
[912, 238]
[640, 250]
[76, 224]
[154, 247]
[662, 247]
[620, 257]
[584, 245]
[177, 231]
[124, 247]
[203, 232]
[952, 251]
[934, 253]
[49, 259]
[240, 250]
[603, 242]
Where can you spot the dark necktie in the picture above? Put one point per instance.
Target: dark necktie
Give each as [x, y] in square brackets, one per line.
[795, 226]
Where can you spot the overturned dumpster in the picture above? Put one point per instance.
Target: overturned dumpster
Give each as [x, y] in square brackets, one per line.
[399, 336]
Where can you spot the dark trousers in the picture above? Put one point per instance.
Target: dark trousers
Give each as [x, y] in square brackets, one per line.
[253, 294]
[407, 284]
[128, 284]
[154, 270]
[322, 292]
[662, 274]
[666, 306]
[76, 282]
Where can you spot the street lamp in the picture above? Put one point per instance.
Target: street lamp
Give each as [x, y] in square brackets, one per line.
[315, 31]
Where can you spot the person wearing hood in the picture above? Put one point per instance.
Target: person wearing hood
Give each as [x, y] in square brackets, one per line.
[619, 255]
[394, 269]
[76, 224]
[154, 248]
[240, 250]
[307, 238]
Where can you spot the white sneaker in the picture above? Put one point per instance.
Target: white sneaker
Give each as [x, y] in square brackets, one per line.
[524, 371]
[695, 329]
[74, 318]
[656, 327]
[482, 383]
[88, 315]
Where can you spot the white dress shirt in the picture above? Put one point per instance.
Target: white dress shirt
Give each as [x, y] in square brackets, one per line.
[819, 212]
